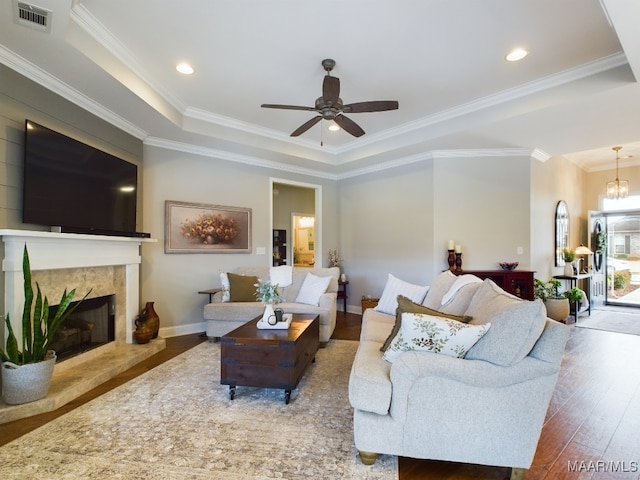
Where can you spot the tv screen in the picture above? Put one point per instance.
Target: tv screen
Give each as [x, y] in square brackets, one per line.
[77, 187]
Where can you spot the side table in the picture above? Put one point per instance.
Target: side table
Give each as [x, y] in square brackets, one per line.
[573, 282]
[211, 292]
[342, 293]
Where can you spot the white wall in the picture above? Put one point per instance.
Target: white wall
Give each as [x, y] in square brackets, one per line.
[399, 221]
[173, 280]
[386, 226]
[483, 205]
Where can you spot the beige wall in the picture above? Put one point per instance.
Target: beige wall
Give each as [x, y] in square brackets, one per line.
[596, 184]
[173, 280]
[551, 181]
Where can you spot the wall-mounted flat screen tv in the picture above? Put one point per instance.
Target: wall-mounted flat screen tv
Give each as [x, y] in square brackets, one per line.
[77, 187]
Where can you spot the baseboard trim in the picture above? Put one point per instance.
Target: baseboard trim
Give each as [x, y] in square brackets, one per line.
[176, 331]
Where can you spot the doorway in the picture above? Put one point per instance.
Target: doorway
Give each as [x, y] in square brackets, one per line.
[296, 223]
[303, 239]
[622, 260]
[615, 240]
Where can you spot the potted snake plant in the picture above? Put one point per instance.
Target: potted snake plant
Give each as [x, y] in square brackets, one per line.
[27, 365]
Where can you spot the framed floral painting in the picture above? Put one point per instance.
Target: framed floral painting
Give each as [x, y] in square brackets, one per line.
[202, 228]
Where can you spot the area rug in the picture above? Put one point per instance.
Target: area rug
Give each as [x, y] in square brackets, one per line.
[177, 422]
[611, 321]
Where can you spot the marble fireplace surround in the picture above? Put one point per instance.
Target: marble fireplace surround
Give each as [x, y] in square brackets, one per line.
[107, 265]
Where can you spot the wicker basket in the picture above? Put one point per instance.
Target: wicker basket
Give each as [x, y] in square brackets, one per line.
[369, 303]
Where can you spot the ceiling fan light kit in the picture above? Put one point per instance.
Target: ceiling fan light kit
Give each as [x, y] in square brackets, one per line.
[330, 106]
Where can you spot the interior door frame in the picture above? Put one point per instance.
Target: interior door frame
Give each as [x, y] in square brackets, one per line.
[318, 255]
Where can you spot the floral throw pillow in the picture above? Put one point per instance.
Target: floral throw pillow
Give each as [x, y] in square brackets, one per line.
[428, 333]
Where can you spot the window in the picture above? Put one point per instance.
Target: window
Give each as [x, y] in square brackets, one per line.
[622, 244]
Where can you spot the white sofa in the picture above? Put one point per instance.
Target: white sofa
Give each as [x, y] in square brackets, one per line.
[222, 317]
[485, 408]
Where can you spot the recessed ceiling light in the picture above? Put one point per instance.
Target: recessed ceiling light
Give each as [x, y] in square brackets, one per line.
[184, 68]
[334, 127]
[516, 54]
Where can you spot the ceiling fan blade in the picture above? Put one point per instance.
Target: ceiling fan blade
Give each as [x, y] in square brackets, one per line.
[331, 89]
[377, 106]
[349, 125]
[306, 126]
[288, 107]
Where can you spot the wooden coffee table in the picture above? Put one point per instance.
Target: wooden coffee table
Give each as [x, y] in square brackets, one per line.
[252, 357]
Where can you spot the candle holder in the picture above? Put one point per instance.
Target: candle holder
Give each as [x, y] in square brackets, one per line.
[458, 262]
[451, 260]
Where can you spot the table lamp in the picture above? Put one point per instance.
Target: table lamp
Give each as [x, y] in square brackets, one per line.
[582, 250]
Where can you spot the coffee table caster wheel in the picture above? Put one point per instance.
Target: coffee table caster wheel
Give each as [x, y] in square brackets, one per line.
[232, 393]
[287, 396]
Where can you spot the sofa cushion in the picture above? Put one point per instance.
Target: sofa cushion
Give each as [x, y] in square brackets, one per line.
[407, 306]
[488, 300]
[312, 288]
[429, 333]
[439, 286]
[394, 287]
[281, 275]
[451, 293]
[242, 287]
[376, 326]
[516, 325]
[369, 382]
[458, 298]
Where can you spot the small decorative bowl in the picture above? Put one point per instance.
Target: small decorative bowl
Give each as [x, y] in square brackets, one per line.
[509, 265]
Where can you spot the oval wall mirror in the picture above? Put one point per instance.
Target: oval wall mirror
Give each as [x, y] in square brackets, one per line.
[562, 231]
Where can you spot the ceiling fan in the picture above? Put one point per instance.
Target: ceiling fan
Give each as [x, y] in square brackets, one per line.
[330, 107]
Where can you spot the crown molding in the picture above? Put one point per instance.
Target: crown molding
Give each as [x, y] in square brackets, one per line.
[84, 19]
[43, 78]
[234, 157]
[378, 167]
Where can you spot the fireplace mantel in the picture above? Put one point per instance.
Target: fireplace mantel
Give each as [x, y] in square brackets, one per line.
[52, 251]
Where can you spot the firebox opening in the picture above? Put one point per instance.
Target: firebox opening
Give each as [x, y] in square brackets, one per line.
[91, 325]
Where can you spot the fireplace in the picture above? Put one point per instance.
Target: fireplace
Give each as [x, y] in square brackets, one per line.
[91, 325]
[105, 267]
[100, 264]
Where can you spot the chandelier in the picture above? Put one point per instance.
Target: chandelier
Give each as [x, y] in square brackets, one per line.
[617, 188]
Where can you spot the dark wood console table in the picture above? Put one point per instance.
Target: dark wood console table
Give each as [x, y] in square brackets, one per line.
[517, 282]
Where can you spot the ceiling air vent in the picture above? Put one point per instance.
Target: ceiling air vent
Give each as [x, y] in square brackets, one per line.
[33, 16]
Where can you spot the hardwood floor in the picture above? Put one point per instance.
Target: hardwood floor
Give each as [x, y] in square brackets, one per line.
[592, 423]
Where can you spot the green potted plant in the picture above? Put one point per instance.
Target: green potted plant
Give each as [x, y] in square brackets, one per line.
[27, 367]
[569, 256]
[574, 296]
[549, 292]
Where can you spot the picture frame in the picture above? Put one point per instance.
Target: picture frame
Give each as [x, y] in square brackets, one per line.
[203, 228]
